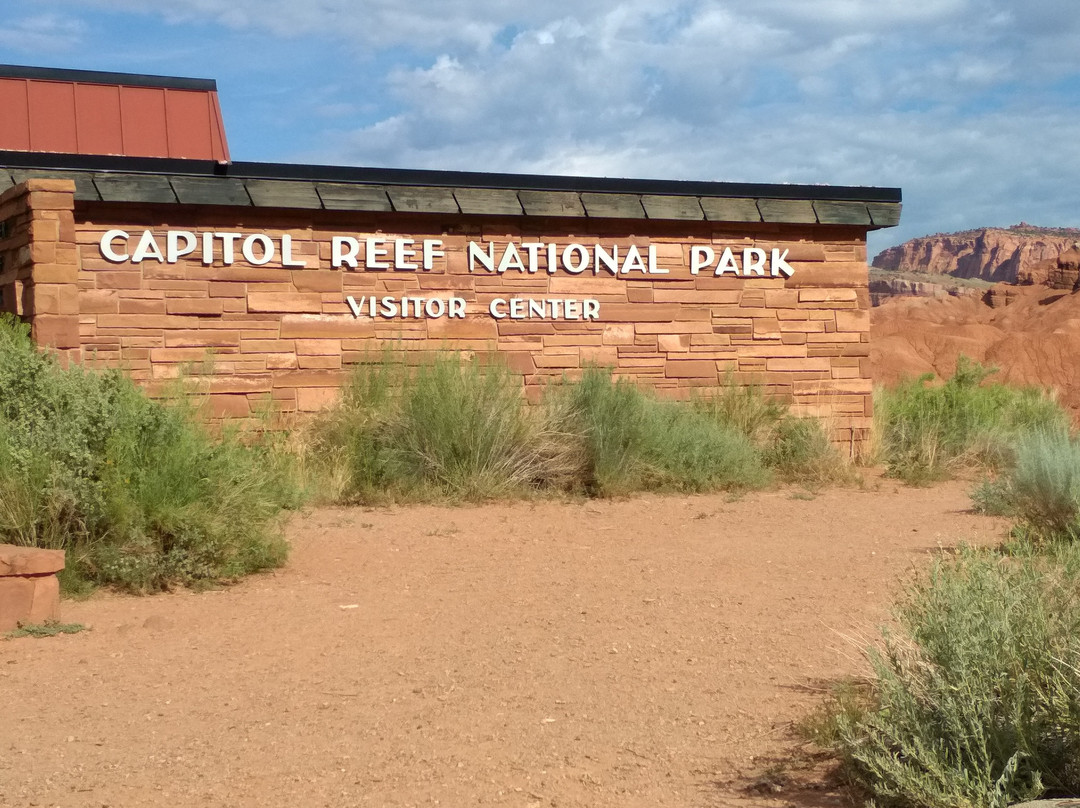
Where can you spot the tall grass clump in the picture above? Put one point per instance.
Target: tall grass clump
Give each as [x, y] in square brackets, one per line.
[930, 432]
[633, 440]
[444, 428]
[136, 491]
[1040, 488]
[798, 450]
[975, 697]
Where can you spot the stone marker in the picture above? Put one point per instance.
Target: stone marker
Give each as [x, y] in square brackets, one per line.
[29, 588]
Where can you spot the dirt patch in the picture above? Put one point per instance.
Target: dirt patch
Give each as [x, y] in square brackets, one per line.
[647, 652]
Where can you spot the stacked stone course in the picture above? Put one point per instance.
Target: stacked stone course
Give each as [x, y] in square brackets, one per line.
[285, 338]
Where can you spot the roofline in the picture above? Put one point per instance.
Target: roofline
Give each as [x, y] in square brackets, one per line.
[99, 77]
[443, 179]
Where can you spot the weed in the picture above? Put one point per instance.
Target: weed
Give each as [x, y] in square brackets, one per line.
[50, 628]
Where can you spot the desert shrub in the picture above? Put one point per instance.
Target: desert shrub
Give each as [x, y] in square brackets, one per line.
[798, 450]
[633, 440]
[929, 432]
[443, 428]
[745, 408]
[975, 698]
[136, 491]
[454, 429]
[1040, 487]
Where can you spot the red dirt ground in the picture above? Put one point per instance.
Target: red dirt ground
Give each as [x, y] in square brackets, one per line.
[646, 652]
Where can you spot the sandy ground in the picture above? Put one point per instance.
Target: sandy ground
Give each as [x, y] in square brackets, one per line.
[647, 652]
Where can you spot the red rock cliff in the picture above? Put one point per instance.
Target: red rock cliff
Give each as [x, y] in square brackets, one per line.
[990, 254]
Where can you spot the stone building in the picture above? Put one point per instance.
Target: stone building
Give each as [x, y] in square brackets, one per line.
[129, 237]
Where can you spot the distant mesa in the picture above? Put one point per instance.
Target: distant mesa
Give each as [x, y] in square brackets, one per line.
[988, 254]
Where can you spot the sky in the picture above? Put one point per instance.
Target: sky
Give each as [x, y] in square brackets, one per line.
[971, 107]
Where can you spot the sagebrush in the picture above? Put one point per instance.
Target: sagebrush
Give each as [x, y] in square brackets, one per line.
[975, 696]
[137, 491]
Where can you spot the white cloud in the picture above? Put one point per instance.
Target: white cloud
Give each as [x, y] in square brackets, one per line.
[35, 34]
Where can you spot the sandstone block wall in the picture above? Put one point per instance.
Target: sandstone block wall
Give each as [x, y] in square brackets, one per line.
[284, 338]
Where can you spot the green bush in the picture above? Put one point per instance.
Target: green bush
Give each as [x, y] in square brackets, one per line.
[634, 441]
[1040, 488]
[798, 450]
[928, 433]
[975, 701]
[442, 428]
[460, 430]
[136, 491]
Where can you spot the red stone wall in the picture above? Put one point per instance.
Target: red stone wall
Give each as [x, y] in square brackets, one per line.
[286, 337]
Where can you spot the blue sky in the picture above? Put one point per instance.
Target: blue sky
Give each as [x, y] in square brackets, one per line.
[971, 106]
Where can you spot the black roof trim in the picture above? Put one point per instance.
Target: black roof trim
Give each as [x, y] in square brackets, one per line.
[98, 77]
[445, 179]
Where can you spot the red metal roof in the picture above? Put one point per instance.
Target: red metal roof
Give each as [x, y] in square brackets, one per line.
[84, 112]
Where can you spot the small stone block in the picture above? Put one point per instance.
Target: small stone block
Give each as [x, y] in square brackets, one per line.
[16, 560]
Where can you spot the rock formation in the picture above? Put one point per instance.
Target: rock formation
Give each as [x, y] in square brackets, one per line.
[990, 254]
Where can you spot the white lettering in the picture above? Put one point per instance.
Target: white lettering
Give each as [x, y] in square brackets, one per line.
[402, 253]
[228, 244]
[287, 256]
[653, 268]
[107, 251]
[456, 308]
[532, 249]
[701, 256]
[486, 259]
[581, 263]
[146, 248]
[173, 251]
[633, 261]
[495, 308]
[435, 307]
[510, 259]
[779, 264]
[248, 249]
[343, 250]
[610, 261]
[357, 308]
[373, 252]
[727, 263]
[590, 309]
[388, 307]
[753, 261]
[432, 251]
